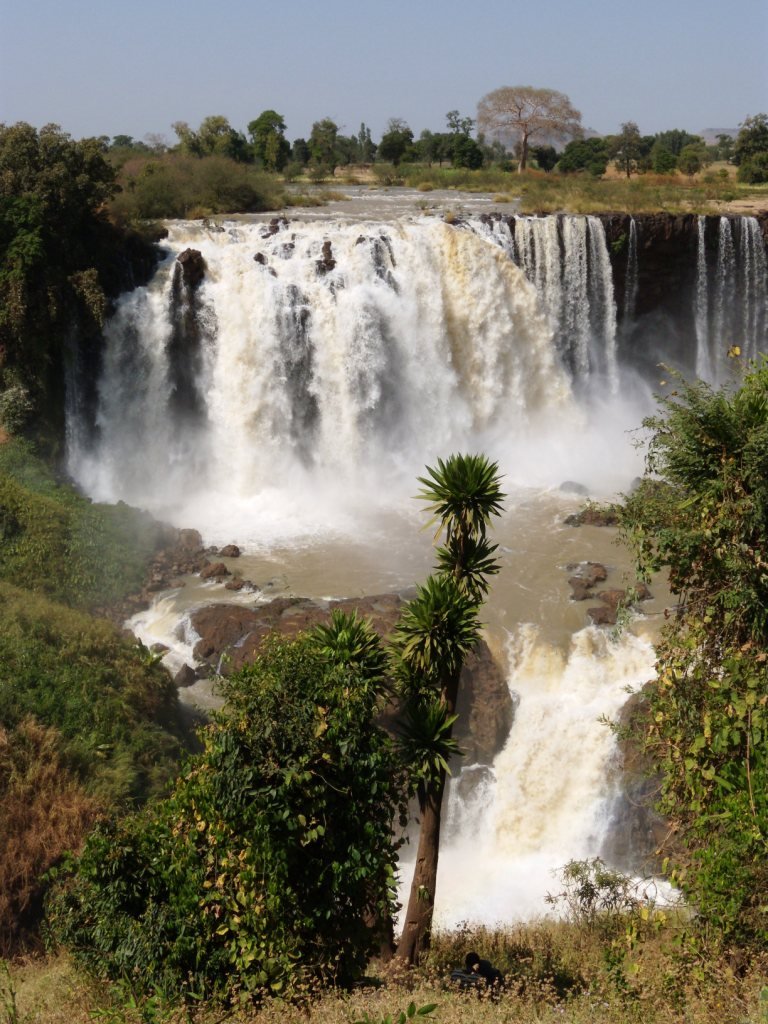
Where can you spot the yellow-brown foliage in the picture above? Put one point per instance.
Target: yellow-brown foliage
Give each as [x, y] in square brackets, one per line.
[43, 813]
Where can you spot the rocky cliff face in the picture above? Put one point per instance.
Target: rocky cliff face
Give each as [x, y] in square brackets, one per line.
[660, 326]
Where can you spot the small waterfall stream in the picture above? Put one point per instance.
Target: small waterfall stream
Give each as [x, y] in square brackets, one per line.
[730, 305]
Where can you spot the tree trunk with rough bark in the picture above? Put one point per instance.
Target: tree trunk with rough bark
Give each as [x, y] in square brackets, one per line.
[417, 924]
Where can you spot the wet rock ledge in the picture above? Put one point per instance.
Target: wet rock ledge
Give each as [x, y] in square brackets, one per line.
[230, 635]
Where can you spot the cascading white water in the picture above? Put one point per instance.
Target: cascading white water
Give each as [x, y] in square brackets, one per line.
[548, 794]
[567, 261]
[730, 305]
[420, 339]
[631, 278]
[701, 306]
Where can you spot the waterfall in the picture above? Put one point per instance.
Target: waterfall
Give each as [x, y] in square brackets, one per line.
[315, 348]
[566, 259]
[730, 309]
[754, 294]
[548, 788]
[701, 306]
[602, 307]
[631, 278]
[288, 399]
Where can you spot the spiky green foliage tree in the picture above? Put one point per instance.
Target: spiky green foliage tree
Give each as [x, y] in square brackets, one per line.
[435, 633]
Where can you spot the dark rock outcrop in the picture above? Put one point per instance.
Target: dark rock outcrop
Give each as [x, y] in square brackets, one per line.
[326, 262]
[214, 571]
[192, 267]
[639, 837]
[586, 575]
[275, 225]
[186, 676]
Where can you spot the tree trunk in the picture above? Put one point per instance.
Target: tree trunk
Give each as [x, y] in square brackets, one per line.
[417, 925]
[523, 155]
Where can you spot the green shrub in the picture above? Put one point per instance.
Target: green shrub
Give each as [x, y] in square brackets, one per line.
[178, 186]
[753, 170]
[266, 868]
[115, 713]
[702, 517]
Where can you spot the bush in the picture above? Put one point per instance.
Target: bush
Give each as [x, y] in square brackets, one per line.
[177, 186]
[44, 811]
[115, 713]
[703, 516]
[753, 170]
[268, 866]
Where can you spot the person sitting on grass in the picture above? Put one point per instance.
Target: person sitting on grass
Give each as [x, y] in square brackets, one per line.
[473, 965]
[478, 975]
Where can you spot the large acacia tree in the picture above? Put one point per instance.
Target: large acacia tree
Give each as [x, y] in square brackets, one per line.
[531, 115]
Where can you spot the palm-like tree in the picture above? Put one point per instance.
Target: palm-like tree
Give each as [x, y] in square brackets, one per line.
[463, 493]
[435, 633]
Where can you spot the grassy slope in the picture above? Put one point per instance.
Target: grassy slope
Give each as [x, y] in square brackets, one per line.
[88, 721]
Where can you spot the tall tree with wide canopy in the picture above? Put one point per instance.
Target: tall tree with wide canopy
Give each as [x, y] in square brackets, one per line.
[530, 114]
[435, 633]
[396, 141]
[322, 144]
[270, 146]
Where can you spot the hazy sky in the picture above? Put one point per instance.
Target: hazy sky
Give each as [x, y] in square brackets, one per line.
[107, 67]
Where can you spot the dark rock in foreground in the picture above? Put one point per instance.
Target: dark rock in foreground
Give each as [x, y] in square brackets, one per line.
[639, 837]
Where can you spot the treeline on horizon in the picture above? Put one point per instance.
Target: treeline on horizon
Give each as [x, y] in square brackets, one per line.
[214, 168]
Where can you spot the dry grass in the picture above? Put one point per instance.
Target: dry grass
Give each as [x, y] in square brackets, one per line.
[43, 813]
[661, 980]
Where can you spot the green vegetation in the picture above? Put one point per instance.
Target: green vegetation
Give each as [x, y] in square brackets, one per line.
[111, 706]
[643, 968]
[58, 543]
[435, 633]
[395, 142]
[270, 865]
[701, 514]
[539, 193]
[87, 720]
[270, 147]
[751, 150]
[186, 186]
[60, 262]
